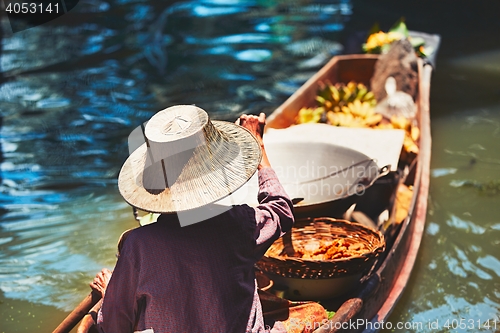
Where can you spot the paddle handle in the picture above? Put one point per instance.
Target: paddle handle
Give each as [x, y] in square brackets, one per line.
[78, 313]
[351, 307]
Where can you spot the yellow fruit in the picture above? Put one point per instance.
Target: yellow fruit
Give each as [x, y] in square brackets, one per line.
[381, 38]
[370, 97]
[384, 126]
[332, 118]
[309, 115]
[400, 122]
[351, 86]
[409, 145]
[334, 97]
[359, 109]
[373, 120]
[335, 94]
[415, 133]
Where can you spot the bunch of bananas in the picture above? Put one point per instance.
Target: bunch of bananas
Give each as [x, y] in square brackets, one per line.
[377, 41]
[355, 114]
[353, 105]
[349, 105]
[310, 115]
[334, 97]
[412, 133]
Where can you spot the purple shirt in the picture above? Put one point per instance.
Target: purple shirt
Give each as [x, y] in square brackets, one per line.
[197, 278]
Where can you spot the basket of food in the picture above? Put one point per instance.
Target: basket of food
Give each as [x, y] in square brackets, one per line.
[322, 258]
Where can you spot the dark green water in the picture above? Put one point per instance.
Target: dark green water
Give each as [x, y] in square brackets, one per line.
[77, 86]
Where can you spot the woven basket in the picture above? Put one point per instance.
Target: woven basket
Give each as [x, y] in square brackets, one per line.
[327, 228]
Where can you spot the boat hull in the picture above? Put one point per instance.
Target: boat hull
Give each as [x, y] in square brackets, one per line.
[371, 303]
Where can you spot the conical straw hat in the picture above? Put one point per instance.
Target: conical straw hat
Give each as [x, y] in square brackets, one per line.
[187, 161]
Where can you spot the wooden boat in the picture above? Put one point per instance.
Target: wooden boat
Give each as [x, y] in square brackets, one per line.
[377, 296]
[374, 300]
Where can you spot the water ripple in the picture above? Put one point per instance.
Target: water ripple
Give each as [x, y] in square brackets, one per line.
[67, 113]
[205, 11]
[490, 263]
[464, 225]
[255, 55]
[254, 38]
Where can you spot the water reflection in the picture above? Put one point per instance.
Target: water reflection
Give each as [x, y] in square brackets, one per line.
[77, 87]
[457, 275]
[465, 226]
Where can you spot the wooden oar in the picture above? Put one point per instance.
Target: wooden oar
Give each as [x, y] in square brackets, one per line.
[348, 311]
[78, 313]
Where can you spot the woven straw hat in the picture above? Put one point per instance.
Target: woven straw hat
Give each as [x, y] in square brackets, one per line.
[187, 161]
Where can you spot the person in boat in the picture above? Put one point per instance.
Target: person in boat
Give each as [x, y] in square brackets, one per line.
[193, 270]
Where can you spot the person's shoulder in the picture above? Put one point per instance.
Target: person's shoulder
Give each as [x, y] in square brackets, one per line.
[135, 241]
[241, 211]
[139, 233]
[242, 217]
[129, 236]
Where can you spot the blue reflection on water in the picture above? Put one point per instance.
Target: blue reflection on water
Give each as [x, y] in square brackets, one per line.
[255, 55]
[237, 39]
[465, 225]
[77, 89]
[204, 11]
